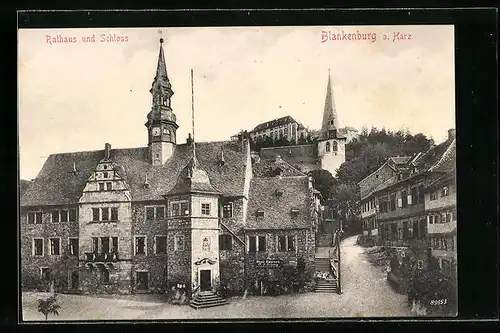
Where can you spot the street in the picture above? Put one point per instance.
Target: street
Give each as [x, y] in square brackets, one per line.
[365, 293]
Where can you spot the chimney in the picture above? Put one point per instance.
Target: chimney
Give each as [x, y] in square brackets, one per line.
[107, 151]
[189, 139]
[451, 134]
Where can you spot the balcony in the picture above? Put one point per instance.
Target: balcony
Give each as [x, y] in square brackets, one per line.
[101, 257]
[441, 228]
[402, 212]
[441, 202]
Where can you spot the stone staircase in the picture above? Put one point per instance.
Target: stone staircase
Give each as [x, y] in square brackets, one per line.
[326, 286]
[207, 299]
[322, 264]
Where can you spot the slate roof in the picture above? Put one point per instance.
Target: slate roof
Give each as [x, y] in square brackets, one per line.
[57, 185]
[447, 163]
[23, 186]
[273, 123]
[277, 209]
[269, 167]
[193, 179]
[432, 157]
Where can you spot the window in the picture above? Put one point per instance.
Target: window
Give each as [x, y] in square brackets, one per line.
[421, 197]
[404, 198]
[105, 174]
[335, 146]
[394, 231]
[95, 245]
[150, 213]
[38, 247]
[252, 244]
[227, 210]
[140, 245]
[114, 213]
[72, 215]
[433, 195]
[405, 230]
[160, 212]
[73, 246]
[291, 243]
[114, 244]
[35, 217]
[184, 208]
[55, 246]
[448, 217]
[55, 216]
[179, 243]
[422, 228]
[454, 216]
[105, 214]
[95, 214]
[155, 212]
[101, 186]
[260, 213]
[262, 244]
[327, 148]
[225, 242]
[104, 245]
[445, 191]
[331, 133]
[393, 202]
[420, 264]
[295, 212]
[282, 243]
[331, 122]
[175, 209]
[109, 186]
[104, 274]
[413, 198]
[45, 274]
[64, 216]
[160, 244]
[205, 209]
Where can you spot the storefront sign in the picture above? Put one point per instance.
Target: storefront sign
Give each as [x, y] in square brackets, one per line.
[268, 263]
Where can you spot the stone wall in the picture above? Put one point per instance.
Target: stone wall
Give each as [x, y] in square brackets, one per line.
[31, 265]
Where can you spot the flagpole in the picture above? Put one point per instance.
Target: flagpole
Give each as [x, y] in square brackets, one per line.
[192, 114]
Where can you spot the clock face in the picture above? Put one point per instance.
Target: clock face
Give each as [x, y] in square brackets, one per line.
[156, 131]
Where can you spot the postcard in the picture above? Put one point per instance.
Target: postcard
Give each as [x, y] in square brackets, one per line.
[277, 172]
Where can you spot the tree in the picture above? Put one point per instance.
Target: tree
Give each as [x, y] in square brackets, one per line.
[48, 306]
[324, 182]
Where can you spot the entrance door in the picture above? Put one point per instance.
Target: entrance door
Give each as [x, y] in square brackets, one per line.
[74, 280]
[205, 280]
[142, 280]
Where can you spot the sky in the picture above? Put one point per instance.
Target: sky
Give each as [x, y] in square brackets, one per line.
[78, 96]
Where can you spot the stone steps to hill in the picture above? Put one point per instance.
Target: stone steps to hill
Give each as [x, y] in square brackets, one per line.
[326, 286]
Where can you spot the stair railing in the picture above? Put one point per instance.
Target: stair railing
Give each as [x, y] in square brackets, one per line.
[195, 291]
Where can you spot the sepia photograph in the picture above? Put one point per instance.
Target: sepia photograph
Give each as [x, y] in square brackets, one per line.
[260, 172]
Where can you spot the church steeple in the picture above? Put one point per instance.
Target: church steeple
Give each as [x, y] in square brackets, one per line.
[330, 120]
[162, 122]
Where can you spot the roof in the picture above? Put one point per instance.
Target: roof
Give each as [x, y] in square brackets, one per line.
[270, 167]
[57, 185]
[399, 159]
[300, 156]
[277, 208]
[193, 179]
[23, 186]
[274, 123]
[440, 158]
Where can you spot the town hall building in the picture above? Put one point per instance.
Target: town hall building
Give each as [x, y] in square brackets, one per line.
[192, 213]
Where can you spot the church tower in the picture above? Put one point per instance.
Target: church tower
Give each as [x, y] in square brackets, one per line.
[161, 124]
[331, 144]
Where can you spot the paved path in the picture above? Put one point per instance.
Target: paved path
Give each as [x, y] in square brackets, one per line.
[365, 294]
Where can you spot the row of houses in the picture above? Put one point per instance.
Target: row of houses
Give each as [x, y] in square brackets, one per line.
[408, 206]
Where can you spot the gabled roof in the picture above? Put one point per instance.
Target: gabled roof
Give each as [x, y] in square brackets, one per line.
[277, 208]
[193, 179]
[273, 123]
[57, 185]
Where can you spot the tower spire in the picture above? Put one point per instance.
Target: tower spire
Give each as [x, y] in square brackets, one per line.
[330, 119]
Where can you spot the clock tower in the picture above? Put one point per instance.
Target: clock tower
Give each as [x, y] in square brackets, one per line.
[161, 124]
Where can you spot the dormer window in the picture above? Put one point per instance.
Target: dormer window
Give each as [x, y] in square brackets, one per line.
[101, 186]
[109, 186]
[295, 212]
[445, 191]
[105, 174]
[260, 213]
[278, 192]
